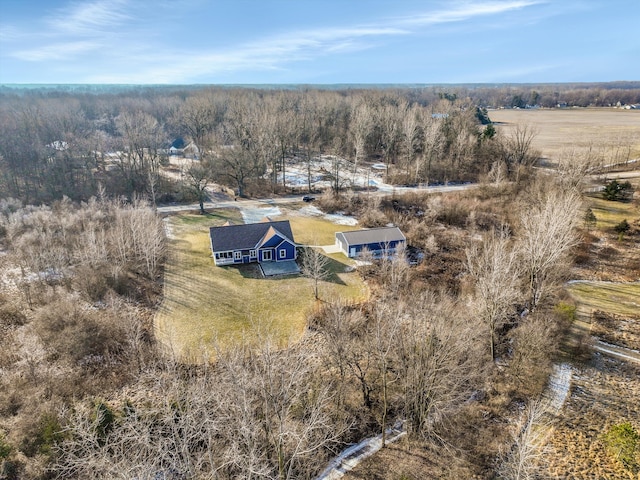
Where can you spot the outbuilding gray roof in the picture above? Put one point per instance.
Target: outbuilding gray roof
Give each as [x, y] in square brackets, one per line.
[373, 235]
[245, 237]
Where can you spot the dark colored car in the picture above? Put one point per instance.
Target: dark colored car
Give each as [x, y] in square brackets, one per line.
[308, 198]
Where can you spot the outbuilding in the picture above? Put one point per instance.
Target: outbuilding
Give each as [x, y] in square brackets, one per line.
[379, 241]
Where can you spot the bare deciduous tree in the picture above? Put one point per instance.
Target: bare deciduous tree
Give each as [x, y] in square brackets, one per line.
[314, 266]
[359, 129]
[198, 175]
[386, 328]
[518, 149]
[441, 361]
[494, 269]
[525, 456]
[547, 235]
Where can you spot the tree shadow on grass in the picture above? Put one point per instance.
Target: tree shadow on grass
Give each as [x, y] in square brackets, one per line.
[247, 270]
[334, 268]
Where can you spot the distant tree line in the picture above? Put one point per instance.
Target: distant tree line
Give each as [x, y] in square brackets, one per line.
[58, 142]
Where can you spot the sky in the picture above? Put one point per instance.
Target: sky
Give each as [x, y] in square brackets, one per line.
[318, 41]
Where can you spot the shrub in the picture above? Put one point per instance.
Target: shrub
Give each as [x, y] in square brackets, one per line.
[623, 442]
[10, 315]
[372, 217]
[622, 228]
[11, 470]
[91, 282]
[45, 435]
[104, 419]
[617, 192]
[566, 312]
[77, 334]
[5, 448]
[454, 213]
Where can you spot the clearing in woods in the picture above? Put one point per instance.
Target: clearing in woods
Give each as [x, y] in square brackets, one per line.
[207, 307]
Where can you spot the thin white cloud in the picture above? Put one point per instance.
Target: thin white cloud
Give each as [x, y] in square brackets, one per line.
[58, 51]
[268, 54]
[466, 11]
[90, 18]
[10, 33]
[73, 31]
[97, 26]
[276, 52]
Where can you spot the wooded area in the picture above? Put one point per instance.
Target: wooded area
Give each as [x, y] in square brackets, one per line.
[458, 347]
[58, 143]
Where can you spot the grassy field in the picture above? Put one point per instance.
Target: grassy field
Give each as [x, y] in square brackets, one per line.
[207, 306]
[616, 298]
[609, 214]
[557, 129]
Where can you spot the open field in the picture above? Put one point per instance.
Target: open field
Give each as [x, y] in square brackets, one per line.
[205, 305]
[609, 129]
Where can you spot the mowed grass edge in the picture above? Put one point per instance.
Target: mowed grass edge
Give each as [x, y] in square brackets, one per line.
[616, 298]
[207, 307]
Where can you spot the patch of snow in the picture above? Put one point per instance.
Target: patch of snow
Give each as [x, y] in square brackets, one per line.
[311, 211]
[168, 231]
[340, 219]
[617, 351]
[337, 218]
[352, 456]
[363, 263]
[256, 215]
[558, 388]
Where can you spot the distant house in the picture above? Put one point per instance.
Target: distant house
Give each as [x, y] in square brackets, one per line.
[253, 242]
[180, 148]
[177, 146]
[378, 241]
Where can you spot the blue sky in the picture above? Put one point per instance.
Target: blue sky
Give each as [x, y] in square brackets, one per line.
[318, 41]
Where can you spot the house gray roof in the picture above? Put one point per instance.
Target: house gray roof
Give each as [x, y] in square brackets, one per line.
[245, 237]
[373, 235]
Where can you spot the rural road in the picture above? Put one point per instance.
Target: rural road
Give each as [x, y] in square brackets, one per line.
[254, 203]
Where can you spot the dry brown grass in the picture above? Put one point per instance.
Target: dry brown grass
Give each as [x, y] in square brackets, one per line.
[410, 460]
[576, 128]
[603, 394]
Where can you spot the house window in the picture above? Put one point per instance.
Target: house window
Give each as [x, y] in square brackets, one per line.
[283, 253]
[266, 255]
[252, 254]
[237, 255]
[224, 255]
